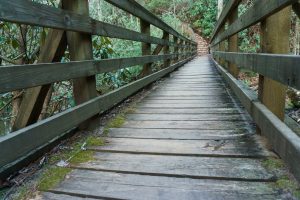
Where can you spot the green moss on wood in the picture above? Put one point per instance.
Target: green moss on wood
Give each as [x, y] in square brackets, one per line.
[52, 177]
[273, 164]
[116, 122]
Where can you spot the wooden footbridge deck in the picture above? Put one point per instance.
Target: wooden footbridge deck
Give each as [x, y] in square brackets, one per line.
[197, 135]
[187, 139]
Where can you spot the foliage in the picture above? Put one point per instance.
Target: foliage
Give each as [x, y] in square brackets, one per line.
[203, 15]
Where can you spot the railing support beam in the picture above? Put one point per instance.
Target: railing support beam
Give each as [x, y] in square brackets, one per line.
[146, 47]
[275, 39]
[80, 47]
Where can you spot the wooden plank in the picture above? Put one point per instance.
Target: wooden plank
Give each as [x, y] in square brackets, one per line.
[33, 99]
[275, 39]
[244, 169]
[199, 125]
[139, 11]
[188, 93]
[185, 101]
[183, 117]
[146, 47]
[230, 5]
[24, 76]
[107, 185]
[186, 105]
[32, 13]
[174, 134]
[245, 148]
[258, 12]
[281, 68]
[186, 110]
[56, 125]
[53, 196]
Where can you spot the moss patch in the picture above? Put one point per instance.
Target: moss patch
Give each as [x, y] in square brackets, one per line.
[287, 185]
[116, 122]
[273, 164]
[52, 177]
[284, 182]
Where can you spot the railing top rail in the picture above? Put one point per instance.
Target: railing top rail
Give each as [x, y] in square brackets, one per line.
[139, 11]
[230, 5]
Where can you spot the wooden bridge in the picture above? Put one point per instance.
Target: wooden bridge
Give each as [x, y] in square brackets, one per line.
[197, 135]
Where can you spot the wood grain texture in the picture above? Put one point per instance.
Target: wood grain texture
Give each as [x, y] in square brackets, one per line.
[131, 186]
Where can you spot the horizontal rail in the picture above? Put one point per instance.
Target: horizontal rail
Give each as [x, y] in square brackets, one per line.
[66, 120]
[31, 13]
[139, 11]
[282, 68]
[25, 76]
[230, 5]
[258, 12]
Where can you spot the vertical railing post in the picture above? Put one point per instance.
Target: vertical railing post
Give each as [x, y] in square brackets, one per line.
[275, 39]
[166, 49]
[80, 48]
[146, 47]
[222, 46]
[175, 40]
[233, 43]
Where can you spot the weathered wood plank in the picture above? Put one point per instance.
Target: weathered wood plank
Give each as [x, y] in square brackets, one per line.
[177, 134]
[186, 110]
[32, 13]
[186, 105]
[54, 126]
[259, 11]
[202, 125]
[53, 196]
[20, 76]
[184, 117]
[242, 169]
[182, 101]
[130, 186]
[279, 67]
[246, 147]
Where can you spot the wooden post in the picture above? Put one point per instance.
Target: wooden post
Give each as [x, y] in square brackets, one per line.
[275, 39]
[222, 47]
[233, 44]
[146, 47]
[80, 47]
[166, 49]
[176, 49]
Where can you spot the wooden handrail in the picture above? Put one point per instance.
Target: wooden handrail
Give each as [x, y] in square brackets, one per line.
[282, 68]
[230, 5]
[139, 11]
